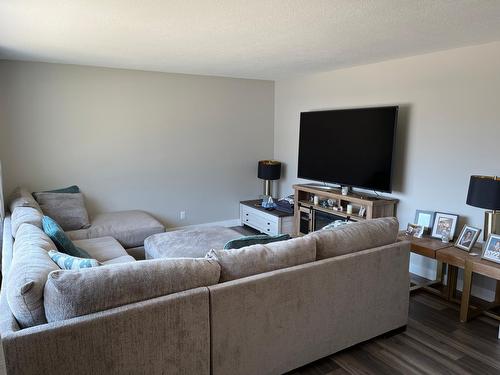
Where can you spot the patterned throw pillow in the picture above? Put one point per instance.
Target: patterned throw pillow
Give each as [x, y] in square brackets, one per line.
[260, 239]
[67, 262]
[60, 239]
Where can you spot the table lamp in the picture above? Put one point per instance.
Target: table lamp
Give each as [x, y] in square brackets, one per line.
[484, 192]
[269, 170]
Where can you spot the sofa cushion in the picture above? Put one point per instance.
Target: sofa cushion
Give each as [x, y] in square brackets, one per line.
[63, 243]
[255, 259]
[261, 239]
[21, 197]
[68, 262]
[130, 228]
[103, 248]
[28, 273]
[68, 209]
[74, 293]
[79, 234]
[355, 237]
[22, 215]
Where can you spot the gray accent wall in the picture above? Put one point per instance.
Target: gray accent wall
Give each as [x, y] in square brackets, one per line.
[449, 125]
[160, 142]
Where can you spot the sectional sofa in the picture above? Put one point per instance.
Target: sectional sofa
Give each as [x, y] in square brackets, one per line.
[256, 310]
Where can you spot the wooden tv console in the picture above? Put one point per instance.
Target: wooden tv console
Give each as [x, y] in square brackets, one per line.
[307, 215]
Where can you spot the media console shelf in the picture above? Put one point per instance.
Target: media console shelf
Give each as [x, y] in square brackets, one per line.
[309, 216]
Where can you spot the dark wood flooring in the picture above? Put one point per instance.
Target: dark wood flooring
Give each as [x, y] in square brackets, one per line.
[435, 342]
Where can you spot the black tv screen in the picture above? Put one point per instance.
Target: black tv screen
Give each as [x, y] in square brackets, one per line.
[349, 147]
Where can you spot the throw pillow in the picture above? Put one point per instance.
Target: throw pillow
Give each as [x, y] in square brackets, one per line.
[254, 240]
[73, 189]
[68, 262]
[68, 209]
[61, 240]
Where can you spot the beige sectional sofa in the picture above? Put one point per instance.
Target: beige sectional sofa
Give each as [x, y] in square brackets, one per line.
[256, 310]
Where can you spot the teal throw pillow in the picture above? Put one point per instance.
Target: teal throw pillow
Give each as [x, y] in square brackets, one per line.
[68, 262]
[73, 189]
[60, 239]
[260, 239]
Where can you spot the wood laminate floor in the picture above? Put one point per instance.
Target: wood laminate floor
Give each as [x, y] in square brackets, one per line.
[435, 342]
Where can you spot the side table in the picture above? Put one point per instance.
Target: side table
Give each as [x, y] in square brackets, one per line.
[427, 247]
[272, 222]
[476, 265]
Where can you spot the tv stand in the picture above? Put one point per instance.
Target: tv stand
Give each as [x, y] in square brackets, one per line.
[332, 206]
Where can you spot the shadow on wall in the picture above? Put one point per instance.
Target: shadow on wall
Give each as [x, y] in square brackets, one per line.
[400, 149]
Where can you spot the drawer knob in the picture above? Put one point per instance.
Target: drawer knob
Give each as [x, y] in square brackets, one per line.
[246, 220]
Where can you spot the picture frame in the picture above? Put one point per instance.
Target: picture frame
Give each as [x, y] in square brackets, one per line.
[467, 238]
[426, 219]
[415, 230]
[444, 222]
[491, 248]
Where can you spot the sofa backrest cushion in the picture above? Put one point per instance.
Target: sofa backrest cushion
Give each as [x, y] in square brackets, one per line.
[22, 215]
[21, 197]
[255, 259]
[68, 209]
[355, 237]
[74, 293]
[28, 273]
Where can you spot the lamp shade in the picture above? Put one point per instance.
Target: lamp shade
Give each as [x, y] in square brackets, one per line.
[269, 170]
[484, 192]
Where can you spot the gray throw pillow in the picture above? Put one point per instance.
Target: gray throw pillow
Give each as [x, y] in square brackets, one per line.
[74, 293]
[255, 259]
[68, 209]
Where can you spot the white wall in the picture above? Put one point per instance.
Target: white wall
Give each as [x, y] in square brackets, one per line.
[130, 139]
[449, 125]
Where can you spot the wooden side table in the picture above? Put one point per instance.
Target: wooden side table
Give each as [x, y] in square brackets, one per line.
[476, 265]
[427, 247]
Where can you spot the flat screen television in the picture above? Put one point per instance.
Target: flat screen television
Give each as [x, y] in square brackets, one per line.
[349, 147]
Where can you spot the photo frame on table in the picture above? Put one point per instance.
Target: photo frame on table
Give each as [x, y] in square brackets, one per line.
[467, 238]
[491, 249]
[415, 230]
[425, 218]
[444, 222]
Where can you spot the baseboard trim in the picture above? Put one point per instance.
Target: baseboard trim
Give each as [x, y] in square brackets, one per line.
[223, 223]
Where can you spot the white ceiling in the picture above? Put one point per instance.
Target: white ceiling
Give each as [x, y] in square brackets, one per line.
[268, 39]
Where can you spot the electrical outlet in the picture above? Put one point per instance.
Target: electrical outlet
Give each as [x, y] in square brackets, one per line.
[182, 215]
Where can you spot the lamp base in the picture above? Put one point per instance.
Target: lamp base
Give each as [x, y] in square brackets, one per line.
[491, 223]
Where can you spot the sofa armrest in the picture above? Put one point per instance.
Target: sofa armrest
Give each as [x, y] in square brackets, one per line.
[165, 335]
